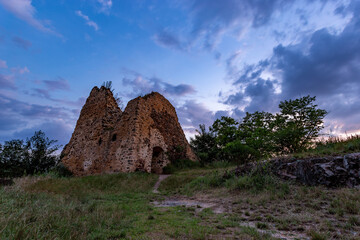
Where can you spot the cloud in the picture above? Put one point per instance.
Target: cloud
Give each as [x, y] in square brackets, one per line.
[210, 20]
[3, 64]
[105, 5]
[87, 20]
[58, 84]
[323, 64]
[50, 86]
[19, 70]
[54, 130]
[22, 43]
[193, 113]
[9, 122]
[25, 11]
[25, 109]
[142, 85]
[20, 114]
[166, 39]
[7, 81]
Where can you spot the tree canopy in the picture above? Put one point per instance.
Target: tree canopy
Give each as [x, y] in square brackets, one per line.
[262, 134]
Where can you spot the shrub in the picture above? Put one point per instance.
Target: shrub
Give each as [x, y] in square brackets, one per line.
[60, 171]
[240, 153]
[180, 164]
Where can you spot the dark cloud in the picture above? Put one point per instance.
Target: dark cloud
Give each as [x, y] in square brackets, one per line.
[142, 85]
[58, 84]
[50, 86]
[166, 39]
[7, 82]
[260, 94]
[22, 43]
[192, 113]
[26, 118]
[211, 19]
[329, 68]
[27, 110]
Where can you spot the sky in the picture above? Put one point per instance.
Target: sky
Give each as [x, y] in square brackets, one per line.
[209, 58]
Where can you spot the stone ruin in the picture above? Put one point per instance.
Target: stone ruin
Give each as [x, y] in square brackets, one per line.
[145, 137]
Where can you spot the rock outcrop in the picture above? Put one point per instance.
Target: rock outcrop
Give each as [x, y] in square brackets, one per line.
[145, 137]
[329, 171]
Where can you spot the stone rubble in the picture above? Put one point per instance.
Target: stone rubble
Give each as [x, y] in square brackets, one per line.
[329, 171]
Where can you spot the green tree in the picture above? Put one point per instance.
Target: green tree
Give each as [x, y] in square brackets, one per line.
[37, 155]
[204, 144]
[13, 158]
[298, 124]
[256, 130]
[225, 130]
[42, 153]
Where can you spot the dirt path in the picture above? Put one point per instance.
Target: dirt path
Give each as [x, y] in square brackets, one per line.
[157, 184]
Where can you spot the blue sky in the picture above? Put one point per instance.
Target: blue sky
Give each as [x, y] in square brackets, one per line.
[208, 57]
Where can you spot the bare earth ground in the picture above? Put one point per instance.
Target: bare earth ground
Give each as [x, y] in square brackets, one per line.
[157, 184]
[306, 213]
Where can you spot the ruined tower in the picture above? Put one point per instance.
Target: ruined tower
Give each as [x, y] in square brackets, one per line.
[145, 137]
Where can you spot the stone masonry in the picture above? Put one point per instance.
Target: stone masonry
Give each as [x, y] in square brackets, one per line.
[145, 137]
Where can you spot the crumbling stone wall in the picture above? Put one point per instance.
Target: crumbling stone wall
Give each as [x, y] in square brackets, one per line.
[145, 137]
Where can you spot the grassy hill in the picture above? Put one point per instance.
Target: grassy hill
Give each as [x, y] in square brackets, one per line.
[123, 206]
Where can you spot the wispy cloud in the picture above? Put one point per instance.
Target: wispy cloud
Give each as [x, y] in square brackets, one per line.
[24, 10]
[22, 43]
[211, 20]
[7, 81]
[19, 70]
[51, 86]
[143, 85]
[167, 39]
[87, 20]
[105, 5]
[3, 64]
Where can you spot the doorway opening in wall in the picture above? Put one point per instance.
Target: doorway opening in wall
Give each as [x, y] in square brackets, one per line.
[157, 160]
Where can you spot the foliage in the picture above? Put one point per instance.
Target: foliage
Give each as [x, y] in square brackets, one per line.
[13, 158]
[256, 131]
[240, 153]
[205, 145]
[179, 164]
[59, 170]
[41, 151]
[298, 124]
[118, 99]
[36, 155]
[225, 130]
[108, 85]
[261, 134]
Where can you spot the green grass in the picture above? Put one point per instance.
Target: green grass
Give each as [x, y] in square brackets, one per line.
[97, 207]
[119, 206]
[332, 146]
[190, 182]
[115, 206]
